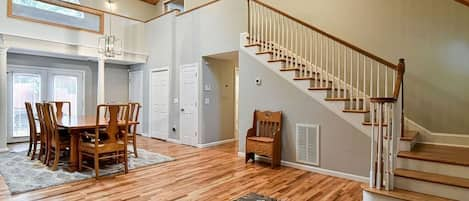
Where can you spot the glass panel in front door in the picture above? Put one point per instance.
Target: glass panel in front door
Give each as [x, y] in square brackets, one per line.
[26, 88]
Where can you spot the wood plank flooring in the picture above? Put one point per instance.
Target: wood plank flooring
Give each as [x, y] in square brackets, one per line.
[215, 173]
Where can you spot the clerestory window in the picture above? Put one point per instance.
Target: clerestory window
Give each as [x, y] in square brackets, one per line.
[63, 13]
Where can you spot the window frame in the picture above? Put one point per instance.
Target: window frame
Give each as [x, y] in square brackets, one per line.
[65, 5]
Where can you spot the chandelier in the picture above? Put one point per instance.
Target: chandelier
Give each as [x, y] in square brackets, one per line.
[109, 45]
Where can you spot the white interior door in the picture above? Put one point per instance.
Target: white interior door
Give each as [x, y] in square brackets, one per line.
[188, 95]
[136, 94]
[159, 92]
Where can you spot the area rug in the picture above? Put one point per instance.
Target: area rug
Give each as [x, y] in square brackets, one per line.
[22, 174]
[255, 197]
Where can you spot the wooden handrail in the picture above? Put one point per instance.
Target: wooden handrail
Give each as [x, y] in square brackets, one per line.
[465, 2]
[343, 42]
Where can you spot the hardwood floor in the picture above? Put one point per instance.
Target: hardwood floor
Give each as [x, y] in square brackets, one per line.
[215, 173]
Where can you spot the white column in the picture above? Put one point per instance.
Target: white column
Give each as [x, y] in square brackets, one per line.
[3, 97]
[100, 93]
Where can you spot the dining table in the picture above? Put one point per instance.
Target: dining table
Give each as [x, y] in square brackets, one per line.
[79, 124]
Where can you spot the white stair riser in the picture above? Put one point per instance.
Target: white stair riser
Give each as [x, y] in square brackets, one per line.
[369, 196]
[433, 167]
[430, 188]
[406, 145]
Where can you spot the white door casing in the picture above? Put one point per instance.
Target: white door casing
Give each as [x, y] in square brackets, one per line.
[188, 103]
[136, 94]
[159, 103]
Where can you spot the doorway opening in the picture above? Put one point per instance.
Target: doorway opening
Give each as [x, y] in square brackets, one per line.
[219, 98]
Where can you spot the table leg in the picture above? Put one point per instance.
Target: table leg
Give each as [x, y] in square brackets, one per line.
[73, 163]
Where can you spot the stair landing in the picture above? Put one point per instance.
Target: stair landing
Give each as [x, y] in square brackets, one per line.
[438, 153]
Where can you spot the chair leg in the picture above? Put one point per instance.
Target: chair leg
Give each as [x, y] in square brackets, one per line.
[126, 163]
[56, 159]
[134, 141]
[96, 165]
[48, 155]
[34, 144]
[41, 150]
[30, 145]
[80, 161]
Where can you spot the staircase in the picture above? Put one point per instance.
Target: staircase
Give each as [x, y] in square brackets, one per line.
[366, 91]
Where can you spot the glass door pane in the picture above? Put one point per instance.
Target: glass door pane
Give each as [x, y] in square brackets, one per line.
[65, 88]
[26, 88]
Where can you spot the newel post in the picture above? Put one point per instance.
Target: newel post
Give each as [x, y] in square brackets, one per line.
[401, 71]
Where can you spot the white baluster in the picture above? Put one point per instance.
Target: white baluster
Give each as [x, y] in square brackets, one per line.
[345, 71]
[378, 82]
[380, 146]
[386, 81]
[373, 147]
[351, 79]
[357, 95]
[326, 81]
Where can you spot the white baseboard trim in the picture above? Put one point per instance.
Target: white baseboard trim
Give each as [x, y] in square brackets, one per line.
[173, 141]
[315, 169]
[446, 139]
[4, 149]
[215, 143]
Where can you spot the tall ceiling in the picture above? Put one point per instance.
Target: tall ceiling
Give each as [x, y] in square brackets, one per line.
[154, 2]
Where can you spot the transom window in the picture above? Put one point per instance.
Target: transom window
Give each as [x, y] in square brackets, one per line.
[63, 13]
[52, 8]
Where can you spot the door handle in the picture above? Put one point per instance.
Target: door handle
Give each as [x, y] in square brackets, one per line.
[182, 109]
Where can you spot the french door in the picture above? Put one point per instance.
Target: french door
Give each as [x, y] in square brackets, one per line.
[28, 84]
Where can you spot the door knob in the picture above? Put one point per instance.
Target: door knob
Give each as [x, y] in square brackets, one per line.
[182, 109]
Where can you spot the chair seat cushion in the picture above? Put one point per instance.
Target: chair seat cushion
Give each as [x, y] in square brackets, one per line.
[89, 147]
[262, 139]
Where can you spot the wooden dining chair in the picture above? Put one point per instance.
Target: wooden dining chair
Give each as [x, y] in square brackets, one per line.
[113, 146]
[43, 133]
[56, 142]
[34, 135]
[59, 105]
[134, 111]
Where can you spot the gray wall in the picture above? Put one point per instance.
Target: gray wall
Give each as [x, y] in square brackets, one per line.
[159, 35]
[432, 35]
[116, 83]
[218, 114]
[113, 90]
[342, 147]
[173, 41]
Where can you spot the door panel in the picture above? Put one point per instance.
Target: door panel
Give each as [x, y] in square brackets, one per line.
[188, 104]
[26, 87]
[160, 104]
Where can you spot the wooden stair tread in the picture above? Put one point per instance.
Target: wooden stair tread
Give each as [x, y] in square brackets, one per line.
[404, 195]
[277, 60]
[368, 123]
[431, 177]
[264, 52]
[252, 45]
[324, 88]
[409, 135]
[356, 111]
[438, 153]
[343, 99]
